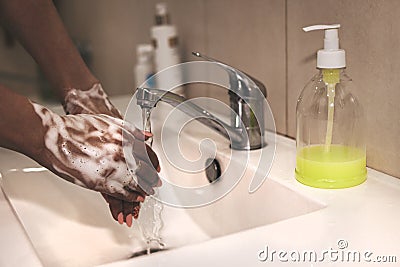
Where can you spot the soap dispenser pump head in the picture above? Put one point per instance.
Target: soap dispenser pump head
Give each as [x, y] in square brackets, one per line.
[331, 57]
[162, 16]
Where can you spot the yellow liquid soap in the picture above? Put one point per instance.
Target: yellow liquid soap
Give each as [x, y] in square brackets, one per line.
[339, 167]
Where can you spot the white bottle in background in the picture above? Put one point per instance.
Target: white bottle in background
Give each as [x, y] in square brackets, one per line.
[166, 53]
[144, 67]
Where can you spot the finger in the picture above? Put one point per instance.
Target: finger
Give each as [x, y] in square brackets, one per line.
[122, 210]
[137, 135]
[141, 134]
[132, 194]
[143, 152]
[137, 193]
[131, 211]
[127, 191]
[128, 220]
[128, 211]
[132, 136]
[153, 158]
[120, 218]
[147, 189]
[122, 124]
[136, 210]
[147, 174]
[115, 112]
[142, 187]
[147, 135]
[116, 207]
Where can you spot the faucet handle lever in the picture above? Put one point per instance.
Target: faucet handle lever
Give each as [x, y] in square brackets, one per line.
[198, 54]
[234, 73]
[228, 68]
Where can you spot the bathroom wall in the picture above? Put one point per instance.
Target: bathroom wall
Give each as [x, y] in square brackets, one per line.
[263, 38]
[249, 36]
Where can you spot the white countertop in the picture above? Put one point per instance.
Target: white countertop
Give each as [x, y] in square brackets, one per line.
[15, 247]
[362, 220]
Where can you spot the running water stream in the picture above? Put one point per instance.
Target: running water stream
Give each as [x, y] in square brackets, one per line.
[150, 220]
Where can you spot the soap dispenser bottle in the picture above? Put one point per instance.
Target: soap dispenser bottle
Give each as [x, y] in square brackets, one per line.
[144, 69]
[164, 37]
[330, 138]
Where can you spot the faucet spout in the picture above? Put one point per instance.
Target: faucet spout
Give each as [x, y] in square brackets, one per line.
[149, 97]
[246, 97]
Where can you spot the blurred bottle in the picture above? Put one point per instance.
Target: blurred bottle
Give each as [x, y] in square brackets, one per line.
[144, 67]
[166, 50]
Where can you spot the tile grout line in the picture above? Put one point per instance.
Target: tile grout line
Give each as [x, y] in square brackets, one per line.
[286, 72]
[206, 38]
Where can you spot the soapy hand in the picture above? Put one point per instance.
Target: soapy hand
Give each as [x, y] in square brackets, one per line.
[87, 150]
[92, 101]
[95, 101]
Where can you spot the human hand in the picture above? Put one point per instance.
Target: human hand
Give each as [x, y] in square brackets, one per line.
[87, 150]
[96, 101]
[91, 101]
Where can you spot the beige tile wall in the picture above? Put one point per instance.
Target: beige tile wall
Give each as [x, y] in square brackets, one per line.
[263, 38]
[249, 36]
[115, 28]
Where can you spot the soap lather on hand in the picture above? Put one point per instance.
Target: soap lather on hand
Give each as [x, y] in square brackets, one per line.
[125, 200]
[82, 147]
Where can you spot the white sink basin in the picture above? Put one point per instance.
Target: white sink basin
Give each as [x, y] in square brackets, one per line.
[238, 210]
[71, 226]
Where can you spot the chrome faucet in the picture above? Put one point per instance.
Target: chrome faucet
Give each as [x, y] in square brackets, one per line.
[246, 97]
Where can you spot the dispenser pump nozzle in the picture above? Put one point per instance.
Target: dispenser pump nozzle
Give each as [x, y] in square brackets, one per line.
[331, 57]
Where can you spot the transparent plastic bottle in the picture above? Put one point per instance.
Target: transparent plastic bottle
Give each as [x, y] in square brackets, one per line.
[330, 138]
[340, 160]
[144, 67]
